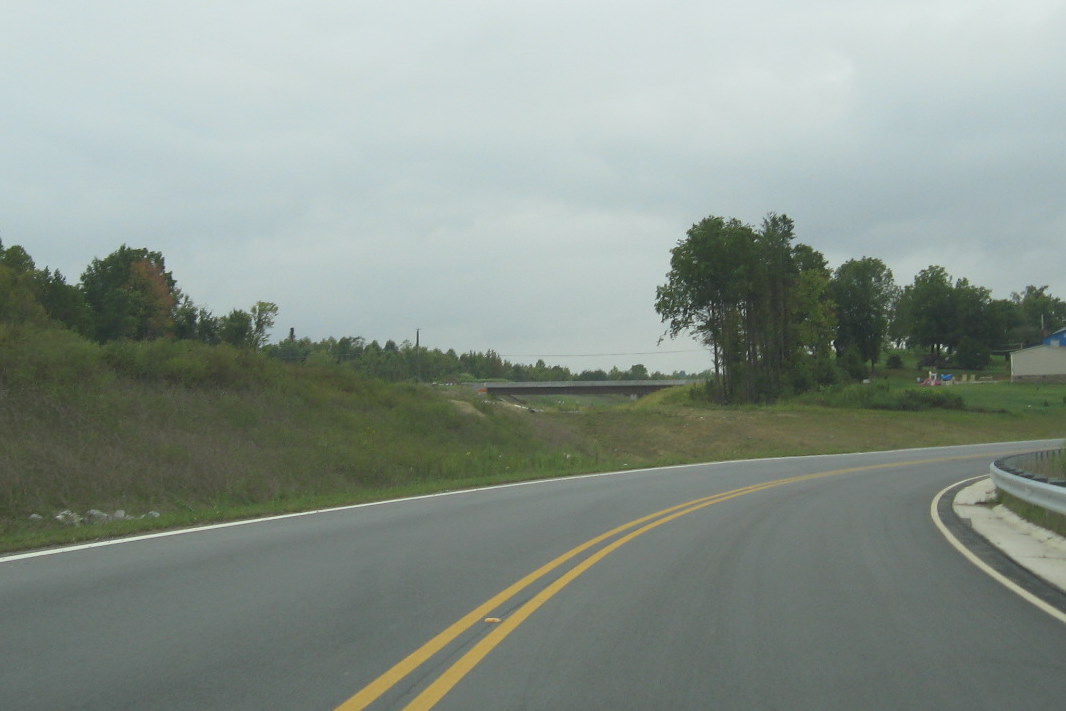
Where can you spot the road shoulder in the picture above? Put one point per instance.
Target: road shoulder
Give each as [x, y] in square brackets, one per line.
[1036, 549]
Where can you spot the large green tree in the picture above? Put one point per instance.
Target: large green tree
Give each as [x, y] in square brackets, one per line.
[131, 294]
[865, 294]
[812, 320]
[947, 317]
[30, 295]
[19, 303]
[735, 288]
[925, 310]
[973, 318]
[1039, 312]
[248, 329]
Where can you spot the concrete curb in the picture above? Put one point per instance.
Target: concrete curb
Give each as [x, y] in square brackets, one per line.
[1036, 549]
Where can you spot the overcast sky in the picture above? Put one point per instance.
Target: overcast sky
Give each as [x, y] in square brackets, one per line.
[513, 175]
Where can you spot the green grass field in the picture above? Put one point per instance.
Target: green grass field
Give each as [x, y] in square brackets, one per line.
[272, 438]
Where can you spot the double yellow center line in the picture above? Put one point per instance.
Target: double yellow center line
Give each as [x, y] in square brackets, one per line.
[436, 690]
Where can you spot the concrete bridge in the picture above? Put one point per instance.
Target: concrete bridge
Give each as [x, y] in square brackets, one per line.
[634, 388]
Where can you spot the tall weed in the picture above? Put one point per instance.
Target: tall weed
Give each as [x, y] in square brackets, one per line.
[52, 359]
[884, 396]
[188, 363]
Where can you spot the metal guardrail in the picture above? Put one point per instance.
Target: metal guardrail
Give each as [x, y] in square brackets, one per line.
[1030, 478]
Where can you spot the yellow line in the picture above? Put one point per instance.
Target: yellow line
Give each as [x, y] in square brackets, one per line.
[433, 693]
[383, 683]
[447, 681]
[995, 574]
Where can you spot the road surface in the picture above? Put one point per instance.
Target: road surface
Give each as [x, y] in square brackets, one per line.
[802, 583]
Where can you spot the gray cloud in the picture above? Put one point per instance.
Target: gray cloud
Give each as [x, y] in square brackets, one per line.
[513, 176]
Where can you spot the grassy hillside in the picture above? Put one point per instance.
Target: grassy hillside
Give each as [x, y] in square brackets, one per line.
[256, 436]
[200, 433]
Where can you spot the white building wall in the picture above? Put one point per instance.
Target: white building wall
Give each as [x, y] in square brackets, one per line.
[1039, 363]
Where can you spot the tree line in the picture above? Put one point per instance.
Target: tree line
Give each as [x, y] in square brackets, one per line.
[404, 361]
[127, 295]
[777, 320]
[773, 315]
[130, 295]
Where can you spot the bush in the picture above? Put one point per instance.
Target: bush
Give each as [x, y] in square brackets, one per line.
[928, 399]
[49, 357]
[189, 363]
[972, 355]
[851, 362]
[932, 360]
[881, 396]
[894, 362]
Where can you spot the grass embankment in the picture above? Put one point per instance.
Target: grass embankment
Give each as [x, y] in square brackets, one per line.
[311, 439]
[203, 437]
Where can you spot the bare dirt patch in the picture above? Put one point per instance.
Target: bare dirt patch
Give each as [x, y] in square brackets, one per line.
[467, 408]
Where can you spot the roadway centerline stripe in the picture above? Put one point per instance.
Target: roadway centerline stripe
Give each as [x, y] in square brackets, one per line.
[373, 691]
[454, 674]
[383, 683]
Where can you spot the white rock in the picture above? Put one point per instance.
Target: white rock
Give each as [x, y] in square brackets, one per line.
[97, 516]
[69, 517]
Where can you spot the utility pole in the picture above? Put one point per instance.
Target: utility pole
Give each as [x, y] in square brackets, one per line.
[418, 357]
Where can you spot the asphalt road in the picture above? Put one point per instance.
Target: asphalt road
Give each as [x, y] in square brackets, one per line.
[807, 583]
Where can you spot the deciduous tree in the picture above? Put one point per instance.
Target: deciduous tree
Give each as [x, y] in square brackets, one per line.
[865, 295]
[1039, 311]
[736, 289]
[131, 295]
[925, 310]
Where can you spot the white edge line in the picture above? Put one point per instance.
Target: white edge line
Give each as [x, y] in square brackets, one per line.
[263, 519]
[993, 573]
[298, 514]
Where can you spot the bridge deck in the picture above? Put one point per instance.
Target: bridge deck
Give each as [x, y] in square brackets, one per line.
[582, 387]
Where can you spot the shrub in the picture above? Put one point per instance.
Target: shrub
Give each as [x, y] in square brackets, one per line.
[188, 363]
[932, 360]
[972, 355]
[881, 396]
[851, 362]
[928, 399]
[47, 357]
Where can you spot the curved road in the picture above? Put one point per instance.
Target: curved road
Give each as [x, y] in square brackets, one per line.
[802, 583]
